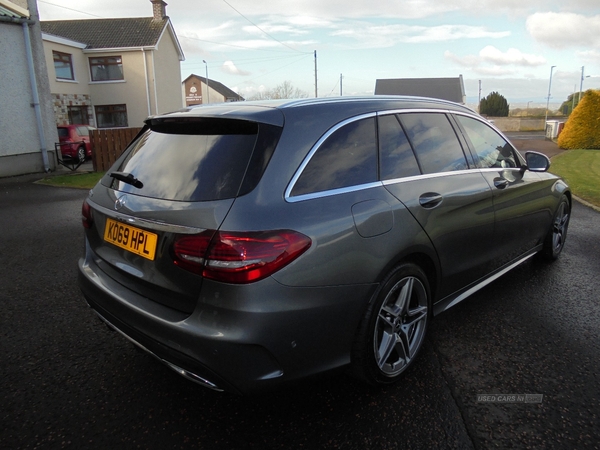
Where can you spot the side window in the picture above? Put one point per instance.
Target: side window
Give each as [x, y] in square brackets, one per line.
[347, 158]
[397, 159]
[492, 149]
[434, 141]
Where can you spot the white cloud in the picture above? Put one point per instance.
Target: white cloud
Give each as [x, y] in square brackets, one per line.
[511, 57]
[230, 68]
[564, 29]
[380, 36]
[492, 61]
[591, 56]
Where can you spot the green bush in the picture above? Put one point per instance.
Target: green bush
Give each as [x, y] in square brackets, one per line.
[494, 105]
[582, 129]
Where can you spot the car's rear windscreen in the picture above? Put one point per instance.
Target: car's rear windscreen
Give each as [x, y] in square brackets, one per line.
[198, 159]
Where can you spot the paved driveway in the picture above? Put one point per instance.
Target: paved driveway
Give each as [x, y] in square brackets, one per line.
[69, 382]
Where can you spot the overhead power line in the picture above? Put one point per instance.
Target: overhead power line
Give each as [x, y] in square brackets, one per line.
[263, 31]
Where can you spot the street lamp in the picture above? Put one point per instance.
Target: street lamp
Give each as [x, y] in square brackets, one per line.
[581, 84]
[548, 100]
[207, 93]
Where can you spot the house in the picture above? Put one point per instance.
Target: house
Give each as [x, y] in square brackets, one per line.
[452, 89]
[201, 90]
[27, 127]
[113, 72]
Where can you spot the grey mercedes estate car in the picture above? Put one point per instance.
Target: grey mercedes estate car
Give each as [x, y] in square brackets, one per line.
[247, 245]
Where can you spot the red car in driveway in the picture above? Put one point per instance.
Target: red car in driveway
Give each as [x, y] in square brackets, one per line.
[75, 141]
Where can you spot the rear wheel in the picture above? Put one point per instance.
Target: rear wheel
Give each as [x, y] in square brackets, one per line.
[81, 154]
[393, 329]
[555, 239]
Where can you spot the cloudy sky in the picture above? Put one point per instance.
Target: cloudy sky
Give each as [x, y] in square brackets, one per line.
[508, 46]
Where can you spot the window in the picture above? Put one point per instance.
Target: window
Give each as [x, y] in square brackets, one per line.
[347, 158]
[203, 160]
[106, 68]
[434, 141]
[397, 157]
[109, 116]
[492, 150]
[63, 66]
[78, 114]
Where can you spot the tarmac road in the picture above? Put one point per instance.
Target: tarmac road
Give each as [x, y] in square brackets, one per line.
[69, 382]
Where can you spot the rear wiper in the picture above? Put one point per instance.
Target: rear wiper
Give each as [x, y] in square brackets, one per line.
[127, 178]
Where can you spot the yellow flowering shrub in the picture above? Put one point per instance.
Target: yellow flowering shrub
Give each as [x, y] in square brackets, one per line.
[582, 129]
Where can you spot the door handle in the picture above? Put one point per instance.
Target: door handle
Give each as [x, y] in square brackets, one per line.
[430, 200]
[500, 183]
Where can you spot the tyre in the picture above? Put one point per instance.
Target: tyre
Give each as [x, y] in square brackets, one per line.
[81, 154]
[555, 239]
[394, 327]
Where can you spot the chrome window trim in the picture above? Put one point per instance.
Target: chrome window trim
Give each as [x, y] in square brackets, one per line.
[329, 193]
[426, 176]
[288, 191]
[146, 223]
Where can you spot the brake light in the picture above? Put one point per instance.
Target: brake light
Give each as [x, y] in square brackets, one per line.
[87, 219]
[239, 257]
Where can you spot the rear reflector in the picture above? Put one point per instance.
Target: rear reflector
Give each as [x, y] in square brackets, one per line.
[239, 257]
[86, 215]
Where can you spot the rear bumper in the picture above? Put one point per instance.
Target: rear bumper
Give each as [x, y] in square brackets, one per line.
[236, 340]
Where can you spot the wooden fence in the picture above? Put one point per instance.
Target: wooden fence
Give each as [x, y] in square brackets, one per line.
[108, 144]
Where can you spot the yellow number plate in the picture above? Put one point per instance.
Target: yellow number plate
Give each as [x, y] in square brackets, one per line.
[130, 238]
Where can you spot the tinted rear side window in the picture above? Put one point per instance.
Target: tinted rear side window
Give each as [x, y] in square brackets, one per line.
[198, 160]
[63, 132]
[397, 157]
[347, 158]
[434, 141]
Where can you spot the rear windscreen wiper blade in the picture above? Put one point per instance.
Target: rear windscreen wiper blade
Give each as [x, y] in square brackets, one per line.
[127, 178]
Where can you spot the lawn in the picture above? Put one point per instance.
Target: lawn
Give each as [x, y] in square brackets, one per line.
[74, 180]
[581, 170]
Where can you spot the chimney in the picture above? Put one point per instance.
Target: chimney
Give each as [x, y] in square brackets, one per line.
[159, 9]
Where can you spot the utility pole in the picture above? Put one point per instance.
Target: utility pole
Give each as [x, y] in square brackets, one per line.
[548, 99]
[316, 74]
[341, 78]
[581, 84]
[479, 104]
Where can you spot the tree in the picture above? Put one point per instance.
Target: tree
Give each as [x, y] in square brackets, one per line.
[494, 105]
[582, 129]
[283, 90]
[571, 103]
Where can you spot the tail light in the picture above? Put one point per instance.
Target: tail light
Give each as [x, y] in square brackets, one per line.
[234, 257]
[86, 215]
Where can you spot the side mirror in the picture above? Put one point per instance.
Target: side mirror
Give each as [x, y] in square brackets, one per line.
[537, 162]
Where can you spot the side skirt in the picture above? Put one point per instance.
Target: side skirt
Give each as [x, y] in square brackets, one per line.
[457, 297]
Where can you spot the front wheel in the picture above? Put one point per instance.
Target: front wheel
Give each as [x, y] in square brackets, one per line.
[555, 239]
[393, 329]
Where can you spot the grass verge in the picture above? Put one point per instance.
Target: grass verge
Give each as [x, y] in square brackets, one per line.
[581, 170]
[74, 180]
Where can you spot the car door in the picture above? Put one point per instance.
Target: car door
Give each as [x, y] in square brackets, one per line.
[522, 215]
[424, 166]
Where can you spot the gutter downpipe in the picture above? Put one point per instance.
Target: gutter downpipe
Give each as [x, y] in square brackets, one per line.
[36, 98]
[147, 83]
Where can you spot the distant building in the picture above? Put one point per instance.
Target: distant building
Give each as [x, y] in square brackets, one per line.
[113, 72]
[200, 90]
[27, 127]
[452, 89]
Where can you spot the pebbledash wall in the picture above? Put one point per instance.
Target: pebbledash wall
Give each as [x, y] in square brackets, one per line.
[22, 146]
